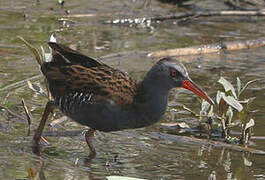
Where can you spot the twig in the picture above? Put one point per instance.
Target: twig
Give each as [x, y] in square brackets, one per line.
[80, 15]
[19, 83]
[44, 140]
[192, 112]
[258, 137]
[58, 121]
[5, 99]
[237, 4]
[234, 5]
[12, 113]
[193, 50]
[64, 133]
[208, 14]
[210, 48]
[224, 128]
[194, 140]
[187, 15]
[37, 89]
[28, 115]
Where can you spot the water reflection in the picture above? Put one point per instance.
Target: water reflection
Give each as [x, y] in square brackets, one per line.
[226, 163]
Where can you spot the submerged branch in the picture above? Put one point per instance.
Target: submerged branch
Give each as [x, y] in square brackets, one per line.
[209, 14]
[194, 140]
[196, 14]
[71, 133]
[193, 50]
[210, 48]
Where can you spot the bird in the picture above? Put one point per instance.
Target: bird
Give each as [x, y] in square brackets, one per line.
[107, 99]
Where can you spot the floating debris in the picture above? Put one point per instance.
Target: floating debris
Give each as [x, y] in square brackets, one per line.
[76, 161]
[145, 22]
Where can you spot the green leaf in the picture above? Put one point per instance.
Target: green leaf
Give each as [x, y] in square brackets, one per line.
[243, 116]
[246, 85]
[179, 125]
[204, 107]
[230, 100]
[210, 113]
[32, 49]
[247, 162]
[247, 102]
[122, 178]
[229, 114]
[238, 85]
[227, 86]
[222, 105]
[218, 96]
[251, 123]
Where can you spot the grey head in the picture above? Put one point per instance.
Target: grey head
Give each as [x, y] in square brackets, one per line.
[169, 73]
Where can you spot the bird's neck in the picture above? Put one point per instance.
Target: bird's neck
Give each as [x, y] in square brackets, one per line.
[151, 101]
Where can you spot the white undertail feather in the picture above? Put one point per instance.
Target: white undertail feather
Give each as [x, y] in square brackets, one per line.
[52, 39]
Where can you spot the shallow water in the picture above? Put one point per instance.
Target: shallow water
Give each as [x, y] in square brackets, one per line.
[139, 155]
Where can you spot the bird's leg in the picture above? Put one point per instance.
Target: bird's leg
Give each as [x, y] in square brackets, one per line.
[89, 140]
[37, 136]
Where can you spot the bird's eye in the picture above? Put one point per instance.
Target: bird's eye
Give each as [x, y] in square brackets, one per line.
[173, 72]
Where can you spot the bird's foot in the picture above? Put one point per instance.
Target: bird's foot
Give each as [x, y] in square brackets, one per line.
[36, 147]
[92, 155]
[89, 140]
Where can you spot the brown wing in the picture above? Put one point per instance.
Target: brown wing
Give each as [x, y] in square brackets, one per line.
[62, 54]
[70, 72]
[102, 81]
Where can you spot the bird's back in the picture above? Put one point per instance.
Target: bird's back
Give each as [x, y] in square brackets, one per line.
[76, 80]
